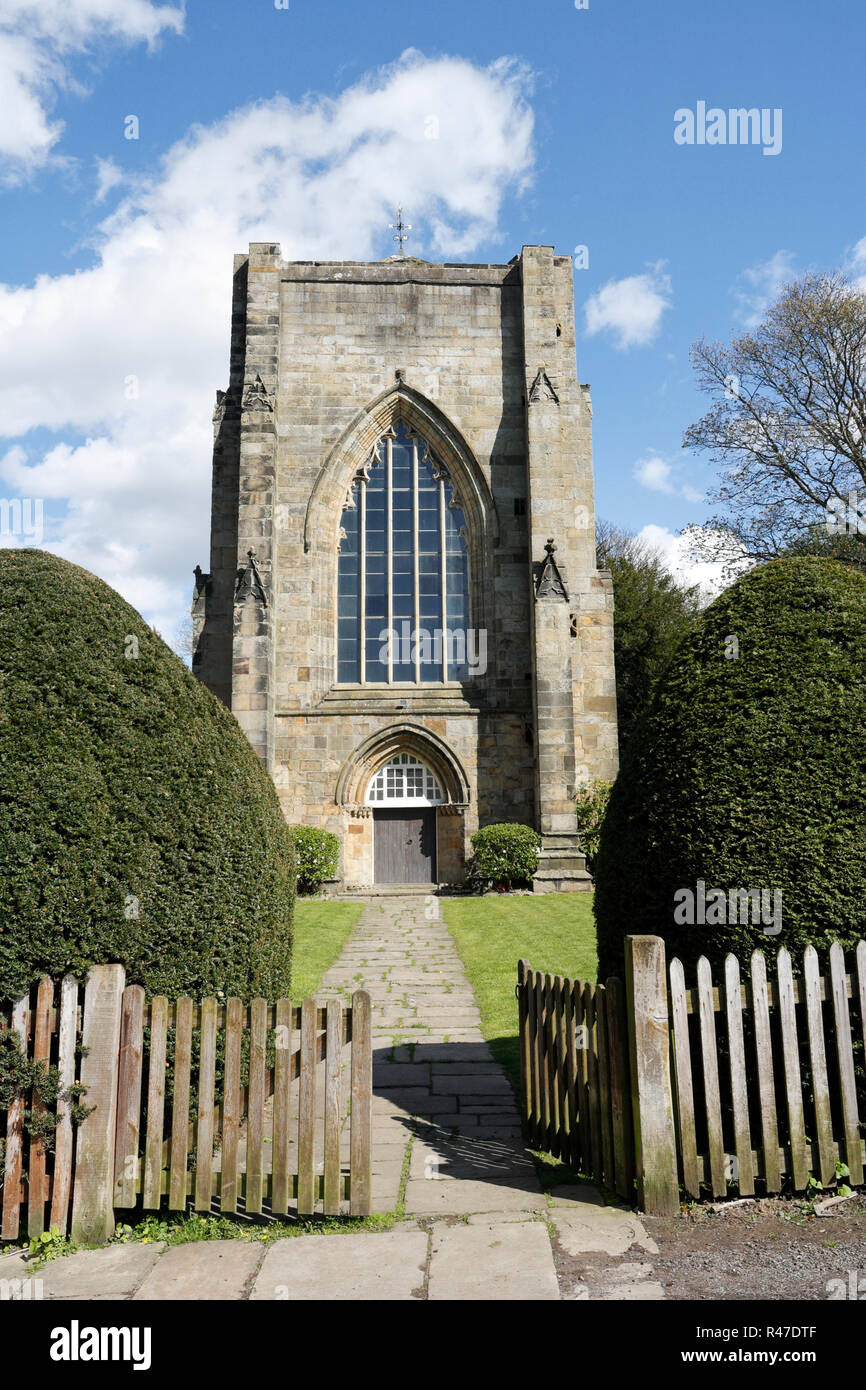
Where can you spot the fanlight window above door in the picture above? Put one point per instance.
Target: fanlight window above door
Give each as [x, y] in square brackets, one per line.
[404, 781]
[403, 570]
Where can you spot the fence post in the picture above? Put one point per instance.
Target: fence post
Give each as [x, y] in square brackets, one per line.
[651, 1092]
[15, 1132]
[361, 1133]
[525, 1046]
[93, 1187]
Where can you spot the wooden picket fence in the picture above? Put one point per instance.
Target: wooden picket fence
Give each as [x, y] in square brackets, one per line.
[264, 1147]
[755, 1118]
[714, 1086]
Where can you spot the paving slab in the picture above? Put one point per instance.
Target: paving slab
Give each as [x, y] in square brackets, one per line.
[492, 1261]
[114, 1272]
[482, 1125]
[452, 1069]
[471, 1084]
[493, 1122]
[423, 1104]
[13, 1265]
[628, 1282]
[19, 1281]
[489, 1106]
[569, 1195]
[470, 1155]
[386, 1151]
[362, 1267]
[600, 1230]
[204, 1270]
[492, 1218]
[445, 1052]
[450, 1198]
[401, 1074]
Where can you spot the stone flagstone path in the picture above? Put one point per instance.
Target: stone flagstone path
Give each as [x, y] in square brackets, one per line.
[435, 1084]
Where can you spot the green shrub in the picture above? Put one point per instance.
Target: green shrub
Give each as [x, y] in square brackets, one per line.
[505, 854]
[748, 771]
[592, 799]
[317, 853]
[40, 1081]
[136, 823]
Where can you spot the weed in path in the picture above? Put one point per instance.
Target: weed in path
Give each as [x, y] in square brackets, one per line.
[186, 1228]
[51, 1245]
[400, 1209]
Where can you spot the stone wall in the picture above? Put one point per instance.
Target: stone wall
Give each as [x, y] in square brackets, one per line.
[480, 359]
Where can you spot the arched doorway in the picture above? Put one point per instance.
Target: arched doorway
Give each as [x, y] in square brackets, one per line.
[403, 795]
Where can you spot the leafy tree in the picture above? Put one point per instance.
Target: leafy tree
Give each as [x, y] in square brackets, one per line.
[652, 614]
[788, 426]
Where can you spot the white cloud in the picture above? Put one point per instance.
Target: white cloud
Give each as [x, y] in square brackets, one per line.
[130, 477]
[38, 44]
[654, 472]
[856, 265]
[759, 286]
[630, 309]
[676, 553]
[108, 176]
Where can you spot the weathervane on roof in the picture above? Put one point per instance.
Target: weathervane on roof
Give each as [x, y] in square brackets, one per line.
[401, 229]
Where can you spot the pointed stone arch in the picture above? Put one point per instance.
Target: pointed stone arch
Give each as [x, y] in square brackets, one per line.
[402, 403]
[323, 520]
[363, 764]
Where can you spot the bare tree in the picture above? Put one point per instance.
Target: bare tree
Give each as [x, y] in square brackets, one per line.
[183, 641]
[614, 542]
[787, 425]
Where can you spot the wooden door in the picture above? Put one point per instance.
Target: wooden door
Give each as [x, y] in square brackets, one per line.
[404, 845]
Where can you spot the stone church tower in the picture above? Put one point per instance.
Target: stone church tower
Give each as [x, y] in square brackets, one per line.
[403, 609]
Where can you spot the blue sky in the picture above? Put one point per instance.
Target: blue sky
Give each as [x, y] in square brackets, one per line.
[305, 125]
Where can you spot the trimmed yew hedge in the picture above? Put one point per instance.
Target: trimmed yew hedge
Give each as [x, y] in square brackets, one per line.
[748, 771]
[136, 822]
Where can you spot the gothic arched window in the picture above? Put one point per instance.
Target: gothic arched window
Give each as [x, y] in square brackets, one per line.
[403, 575]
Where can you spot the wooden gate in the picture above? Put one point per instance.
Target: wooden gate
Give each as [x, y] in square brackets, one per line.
[575, 1071]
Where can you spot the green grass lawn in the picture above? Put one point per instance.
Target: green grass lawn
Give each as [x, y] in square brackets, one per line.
[321, 931]
[555, 933]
